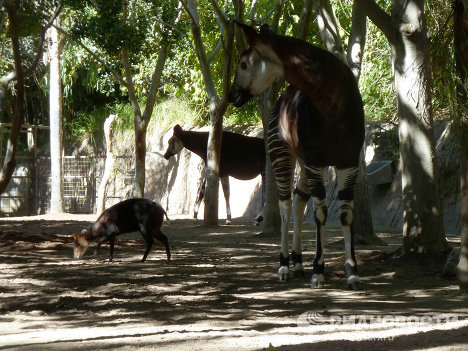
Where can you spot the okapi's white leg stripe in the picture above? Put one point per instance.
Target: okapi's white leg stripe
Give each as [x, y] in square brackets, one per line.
[317, 281]
[283, 273]
[353, 279]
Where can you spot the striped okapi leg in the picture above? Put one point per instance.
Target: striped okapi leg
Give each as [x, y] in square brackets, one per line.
[200, 196]
[346, 181]
[227, 194]
[315, 176]
[315, 179]
[300, 198]
[285, 213]
[320, 216]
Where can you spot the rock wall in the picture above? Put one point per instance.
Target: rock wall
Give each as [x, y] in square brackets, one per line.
[175, 183]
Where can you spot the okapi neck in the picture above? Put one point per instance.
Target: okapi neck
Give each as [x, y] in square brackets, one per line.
[316, 72]
[195, 142]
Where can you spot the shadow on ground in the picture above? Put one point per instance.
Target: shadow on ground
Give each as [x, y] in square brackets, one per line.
[220, 285]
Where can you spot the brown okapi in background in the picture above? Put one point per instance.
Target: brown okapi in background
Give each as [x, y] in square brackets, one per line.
[319, 119]
[242, 157]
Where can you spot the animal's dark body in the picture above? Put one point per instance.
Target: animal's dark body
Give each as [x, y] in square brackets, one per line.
[132, 215]
[319, 119]
[242, 157]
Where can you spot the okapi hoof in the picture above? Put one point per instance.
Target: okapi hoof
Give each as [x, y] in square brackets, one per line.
[228, 221]
[317, 281]
[354, 283]
[298, 270]
[283, 273]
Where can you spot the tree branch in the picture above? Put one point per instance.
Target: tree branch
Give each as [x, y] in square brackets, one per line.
[357, 40]
[220, 42]
[193, 16]
[96, 57]
[40, 46]
[261, 20]
[9, 77]
[191, 8]
[156, 78]
[222, 16]
[379, 17]
[304, 21]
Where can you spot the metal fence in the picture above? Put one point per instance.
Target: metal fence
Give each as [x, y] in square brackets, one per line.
[28, 192]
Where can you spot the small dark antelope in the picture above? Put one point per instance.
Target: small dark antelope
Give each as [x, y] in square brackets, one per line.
[242, 157]
[318, 120]
[128, 216]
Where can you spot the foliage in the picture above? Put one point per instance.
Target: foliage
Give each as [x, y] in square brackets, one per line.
[87, 127]
[441, 54]
[376, 82]
[90, 92]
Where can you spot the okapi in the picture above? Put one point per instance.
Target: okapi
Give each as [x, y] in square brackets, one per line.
[319, 119]
[242, 157]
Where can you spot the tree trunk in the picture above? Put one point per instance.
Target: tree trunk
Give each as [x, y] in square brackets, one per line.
[9, 162]
[462, 268]
[461, 57]
[271, 214]
[141, 121]
[212, 163]
[140, 157]
[363, 225]
[423, 230]
[102, 191]
[406, 31]
[218, 105]
[55, 121]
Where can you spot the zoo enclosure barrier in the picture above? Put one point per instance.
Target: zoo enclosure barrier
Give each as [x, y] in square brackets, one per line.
[28, 192]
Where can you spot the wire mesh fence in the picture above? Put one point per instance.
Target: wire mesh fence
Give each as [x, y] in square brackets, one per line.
[29, 189]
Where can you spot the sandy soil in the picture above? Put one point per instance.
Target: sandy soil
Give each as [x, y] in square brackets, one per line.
[219, 292]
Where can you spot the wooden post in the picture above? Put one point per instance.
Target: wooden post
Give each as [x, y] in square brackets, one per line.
[101, 201]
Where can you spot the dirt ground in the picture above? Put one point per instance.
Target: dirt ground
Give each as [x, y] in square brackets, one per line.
[219, 292]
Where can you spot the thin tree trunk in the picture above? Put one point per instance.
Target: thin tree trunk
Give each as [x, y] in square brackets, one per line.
[462, 268]
[141, 120]
[102, 191]
[212, 163]
[218, 105]
[18, 116]
[363, 225]
[55, 120]
[461, 58]
[271, 214]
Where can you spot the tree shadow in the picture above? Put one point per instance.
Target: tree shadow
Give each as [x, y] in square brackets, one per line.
[223, 276]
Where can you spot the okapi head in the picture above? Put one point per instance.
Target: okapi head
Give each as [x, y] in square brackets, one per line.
[80, 244]
[175, 144]
[258, 67]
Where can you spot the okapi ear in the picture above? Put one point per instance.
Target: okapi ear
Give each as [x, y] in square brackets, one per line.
[177, 129]
[250, 33]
